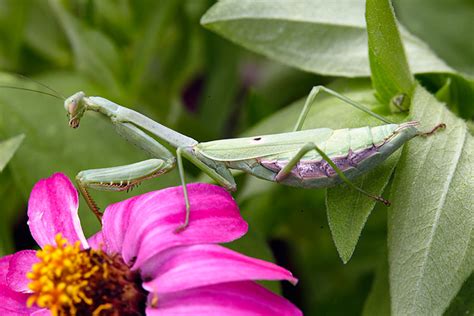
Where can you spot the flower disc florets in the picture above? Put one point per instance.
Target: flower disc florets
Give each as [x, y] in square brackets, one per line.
[69, 280]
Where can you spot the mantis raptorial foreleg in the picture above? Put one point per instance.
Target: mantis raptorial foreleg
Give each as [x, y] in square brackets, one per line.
[314, 93]
[127, 176]
[285, 171]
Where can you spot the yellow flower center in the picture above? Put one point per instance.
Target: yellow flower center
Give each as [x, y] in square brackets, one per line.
[69, 280]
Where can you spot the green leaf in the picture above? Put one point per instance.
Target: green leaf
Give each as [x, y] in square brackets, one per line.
[325, 37]
[348, 210]
[431, 220]
[391, 75]
[8, 148]
[439, 23]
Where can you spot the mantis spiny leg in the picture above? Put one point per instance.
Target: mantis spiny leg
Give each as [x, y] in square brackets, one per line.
[314, 93]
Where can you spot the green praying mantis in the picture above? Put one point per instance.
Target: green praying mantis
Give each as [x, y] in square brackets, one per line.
[314, 158]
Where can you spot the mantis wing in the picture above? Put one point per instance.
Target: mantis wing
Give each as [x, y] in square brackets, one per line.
[332, 142]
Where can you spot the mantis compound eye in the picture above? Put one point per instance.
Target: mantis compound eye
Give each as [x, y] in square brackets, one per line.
[71, 108]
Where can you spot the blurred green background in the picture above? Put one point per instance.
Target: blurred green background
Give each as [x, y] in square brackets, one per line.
[155, 57]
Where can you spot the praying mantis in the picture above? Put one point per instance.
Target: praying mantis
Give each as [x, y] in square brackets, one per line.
[314, 158]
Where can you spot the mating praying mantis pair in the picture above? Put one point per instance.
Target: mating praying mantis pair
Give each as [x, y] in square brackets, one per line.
[314, 158]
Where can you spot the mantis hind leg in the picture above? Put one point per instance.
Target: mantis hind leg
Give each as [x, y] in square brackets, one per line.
[285, 171]
[314, 93]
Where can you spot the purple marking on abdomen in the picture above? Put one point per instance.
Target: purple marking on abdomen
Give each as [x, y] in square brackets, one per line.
[271, 165]
[310, 169]
[277, 165]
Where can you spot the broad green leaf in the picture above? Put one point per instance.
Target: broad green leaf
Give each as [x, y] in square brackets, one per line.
[348, 211]
[391, 75]
[439, 23]
[431, 220]
[52, 146]
[324, 37]
[378, 301]
[8, 148]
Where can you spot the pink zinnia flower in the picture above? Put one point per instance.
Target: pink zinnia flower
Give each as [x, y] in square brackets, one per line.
[136, 264]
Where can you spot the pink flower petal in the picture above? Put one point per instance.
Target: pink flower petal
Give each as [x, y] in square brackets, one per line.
[115, 223]
[52, 209]
[4, 264]
[149, 221]
[244, 298]
[13, 303]
[97, 241]
[182, 268]
[20, 265]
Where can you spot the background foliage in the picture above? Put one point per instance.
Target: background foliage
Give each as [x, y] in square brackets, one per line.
[251, 78]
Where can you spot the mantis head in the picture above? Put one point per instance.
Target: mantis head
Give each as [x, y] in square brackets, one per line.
[75, 107]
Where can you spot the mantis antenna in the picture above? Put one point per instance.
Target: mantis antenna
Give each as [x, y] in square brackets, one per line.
[43, 85]
[33, 90]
